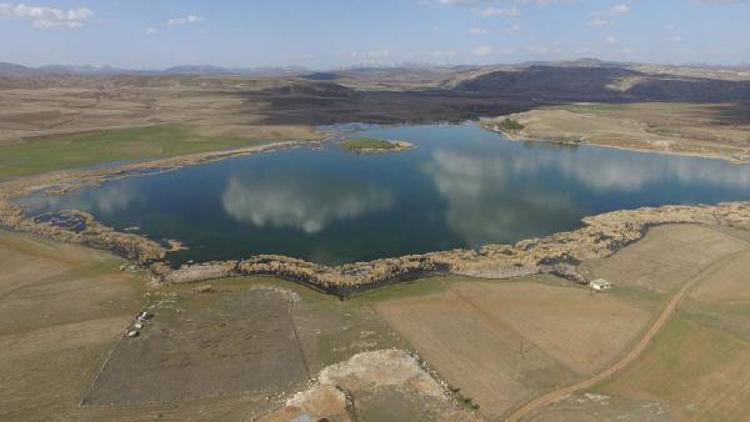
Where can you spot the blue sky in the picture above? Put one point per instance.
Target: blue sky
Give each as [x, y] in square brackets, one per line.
[334, 33]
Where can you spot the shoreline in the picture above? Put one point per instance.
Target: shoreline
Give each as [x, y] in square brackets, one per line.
[560, 253]
[134, 247]
[398, 146]
[519, 137]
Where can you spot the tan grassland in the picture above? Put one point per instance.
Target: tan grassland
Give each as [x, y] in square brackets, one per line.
[691, 367]
[527, 336]
[705, 130]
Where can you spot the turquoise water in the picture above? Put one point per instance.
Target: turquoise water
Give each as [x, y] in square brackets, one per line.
[461, 187]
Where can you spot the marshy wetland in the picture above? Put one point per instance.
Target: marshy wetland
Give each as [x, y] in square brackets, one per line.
[460, 187]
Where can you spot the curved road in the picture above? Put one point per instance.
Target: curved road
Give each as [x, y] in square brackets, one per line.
[634, 353]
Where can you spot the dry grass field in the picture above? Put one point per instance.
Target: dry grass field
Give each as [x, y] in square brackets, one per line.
[62, 308]
[696, 366]
[503, 343]
[700, 372]
[242, 336]
[730, 286]
[665, 258]
[244, 346]
[226, 343]
[532, 335]
[724, 303]
[713, 130]
[98, 121]
[65, 310]
[596, 407]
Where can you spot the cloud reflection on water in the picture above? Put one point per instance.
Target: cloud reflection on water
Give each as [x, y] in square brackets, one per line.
[105, 200]
[518, 194]
[305, 203]
[629, 172]
[484, 205]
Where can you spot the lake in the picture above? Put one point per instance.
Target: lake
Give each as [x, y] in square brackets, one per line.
[461, 187]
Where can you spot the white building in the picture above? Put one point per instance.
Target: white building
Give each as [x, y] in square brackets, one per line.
[600, 284]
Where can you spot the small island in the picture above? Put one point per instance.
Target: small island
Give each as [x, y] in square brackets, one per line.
[374, 145]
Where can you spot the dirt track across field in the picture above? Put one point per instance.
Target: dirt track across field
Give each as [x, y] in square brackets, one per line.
[636, 352]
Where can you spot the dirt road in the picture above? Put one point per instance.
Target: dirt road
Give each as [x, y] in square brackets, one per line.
[636, 352]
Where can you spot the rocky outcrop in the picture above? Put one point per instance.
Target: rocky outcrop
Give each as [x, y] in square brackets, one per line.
[341, 387]
[558, 254]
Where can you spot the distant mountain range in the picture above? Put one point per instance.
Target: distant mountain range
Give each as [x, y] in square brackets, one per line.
[8, 68]
[333, 74]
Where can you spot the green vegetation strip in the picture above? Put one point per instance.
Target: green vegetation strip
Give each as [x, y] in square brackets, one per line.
[42, 155]
[511, 125]
[360, 144]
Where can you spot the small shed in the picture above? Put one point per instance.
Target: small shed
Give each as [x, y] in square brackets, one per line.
[600, 284]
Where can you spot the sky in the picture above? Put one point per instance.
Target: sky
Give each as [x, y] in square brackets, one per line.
[329, 34]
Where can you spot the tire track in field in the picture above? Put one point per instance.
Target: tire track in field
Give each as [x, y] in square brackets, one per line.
[634, 353]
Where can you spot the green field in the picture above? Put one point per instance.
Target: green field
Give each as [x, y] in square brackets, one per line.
[42, 155]
[360, 144]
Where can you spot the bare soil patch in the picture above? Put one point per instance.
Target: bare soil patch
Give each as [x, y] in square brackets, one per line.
[378, 386]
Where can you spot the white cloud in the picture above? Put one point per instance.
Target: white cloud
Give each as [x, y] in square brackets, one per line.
[513, 29]
[478, 31]
[675, 38]
[371, 54]
[720, 1]
[599, 21]
[480, 2]
[611, 40]
[494, 11]
[620, 9]
[185, 20]
[604, 18]
[483, 50]
[150, 31]
[439, 55]
[459, 2]
[537, 49]
[47, 17]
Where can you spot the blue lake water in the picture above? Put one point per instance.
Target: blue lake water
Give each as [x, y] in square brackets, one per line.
[461, 187]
